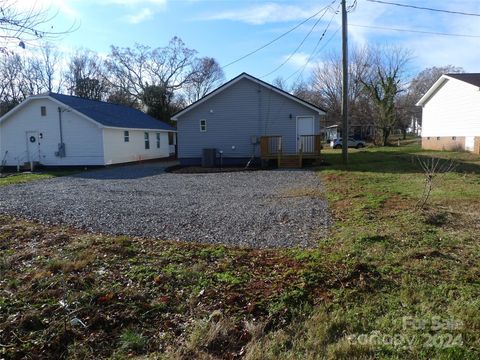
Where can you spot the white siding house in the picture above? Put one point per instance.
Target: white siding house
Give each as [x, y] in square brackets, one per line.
[451, 113]
[92, 133]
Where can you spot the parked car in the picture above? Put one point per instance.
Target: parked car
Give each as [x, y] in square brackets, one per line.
[337, 143]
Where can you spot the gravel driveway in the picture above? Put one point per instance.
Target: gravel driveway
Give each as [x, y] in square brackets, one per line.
[279, 208]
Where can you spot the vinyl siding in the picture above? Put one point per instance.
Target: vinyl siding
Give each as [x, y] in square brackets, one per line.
[237, 113]
[119, 151]
[82, 138]
[454, 110]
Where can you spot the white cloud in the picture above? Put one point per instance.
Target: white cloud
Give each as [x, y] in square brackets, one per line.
[263, 13]
[299, 60]
[161, 3]
[65, 7]
[138, 10]
[142, 15]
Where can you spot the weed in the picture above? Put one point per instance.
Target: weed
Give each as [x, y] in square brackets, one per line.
[131, 340]
[229, 278]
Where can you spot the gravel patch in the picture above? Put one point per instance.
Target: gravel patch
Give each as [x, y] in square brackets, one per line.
[281, 208]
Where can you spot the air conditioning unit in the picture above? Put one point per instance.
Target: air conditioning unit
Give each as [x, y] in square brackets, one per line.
[208, 157]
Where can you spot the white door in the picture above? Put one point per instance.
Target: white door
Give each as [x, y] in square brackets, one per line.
[304, 127]
[470, 143]
[33, 146]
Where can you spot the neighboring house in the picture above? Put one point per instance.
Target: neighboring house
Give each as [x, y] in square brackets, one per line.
[62, 130]
[451, 113]
[245, 119]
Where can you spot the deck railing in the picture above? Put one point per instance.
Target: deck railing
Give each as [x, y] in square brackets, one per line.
[310, 144]
[270, 145]
[308, 147]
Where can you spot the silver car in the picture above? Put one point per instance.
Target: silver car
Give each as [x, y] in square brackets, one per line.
[337, 143]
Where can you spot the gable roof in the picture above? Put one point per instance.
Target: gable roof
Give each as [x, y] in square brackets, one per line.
[254, 79]
[103, 113]
[469, 78]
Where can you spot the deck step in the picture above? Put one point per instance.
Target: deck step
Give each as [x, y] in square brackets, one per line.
[290, 162]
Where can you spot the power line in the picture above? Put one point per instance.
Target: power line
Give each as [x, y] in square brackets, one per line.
[298, 47]
[314, 51]
[415, 31]
[278, 37]
[424, 8]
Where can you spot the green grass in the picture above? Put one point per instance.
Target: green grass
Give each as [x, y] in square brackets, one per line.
[22, 178]
[383, 262]
[422, 264]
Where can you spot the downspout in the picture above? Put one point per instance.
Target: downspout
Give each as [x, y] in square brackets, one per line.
[61, 147]
[60, 124]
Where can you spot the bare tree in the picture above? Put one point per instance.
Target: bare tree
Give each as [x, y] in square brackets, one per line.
[207, 74]
[12, 81]
[87, 76]
[383, 83]
[327, 85]
[432, 168]
[42, 72]
[280, 83]
[136, 70]
[426, 78]
[20, 25]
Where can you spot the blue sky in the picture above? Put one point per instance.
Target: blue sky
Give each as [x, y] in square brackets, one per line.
[226, 30]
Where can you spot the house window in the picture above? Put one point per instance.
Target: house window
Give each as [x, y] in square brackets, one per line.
[43, 110]
[203, 125]
[158, 140]
[126, 136]
[147, 141]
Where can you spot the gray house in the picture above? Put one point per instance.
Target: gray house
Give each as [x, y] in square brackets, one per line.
[247, 118]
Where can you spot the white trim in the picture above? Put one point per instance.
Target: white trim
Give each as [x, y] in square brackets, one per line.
[440, 82]
[436, 86]
[234, 81]
[35, 97]
[204, 125]
[296, 125]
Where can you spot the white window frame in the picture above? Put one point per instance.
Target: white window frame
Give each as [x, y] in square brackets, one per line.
[146, 137]
[43, 111]
[203, 125]
[158, 140]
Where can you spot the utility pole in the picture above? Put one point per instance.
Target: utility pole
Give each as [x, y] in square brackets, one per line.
[345, 126]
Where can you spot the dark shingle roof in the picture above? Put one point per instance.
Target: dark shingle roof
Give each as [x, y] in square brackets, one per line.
[112, 115]
[471, 78]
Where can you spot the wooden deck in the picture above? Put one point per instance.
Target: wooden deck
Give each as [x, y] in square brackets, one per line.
[309, 147]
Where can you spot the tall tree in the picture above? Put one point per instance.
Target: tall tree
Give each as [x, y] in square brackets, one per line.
[384, 82]
[207, 74]
[87, 76]
[326, 84]
[168, 69]
[42, 72]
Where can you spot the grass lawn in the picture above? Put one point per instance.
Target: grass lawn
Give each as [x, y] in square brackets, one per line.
[24, 177]
[390, 282]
